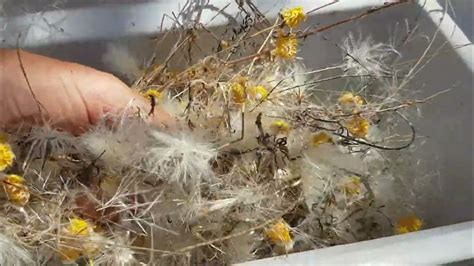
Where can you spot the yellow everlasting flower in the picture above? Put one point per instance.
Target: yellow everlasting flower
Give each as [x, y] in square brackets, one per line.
[279, 234]
[6, 156]
[78, 227]
[408, 224]
[16, 190]
[224, 44]
[358, 127]
[352, 187]
[76, 241]
[237, 92]
[152, 93]
[242, 80]
[293, 16]
[237, 89]
[258, 92]
[279, 127]
[320, 138]
[286, 47]
[348, 98]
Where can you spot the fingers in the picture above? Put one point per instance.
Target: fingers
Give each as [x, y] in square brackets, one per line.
[154, 115]
[73, 97]
[116, 98]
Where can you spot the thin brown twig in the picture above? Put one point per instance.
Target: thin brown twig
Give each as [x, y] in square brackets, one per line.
[209, 242]
[315, 30]
[22, 67]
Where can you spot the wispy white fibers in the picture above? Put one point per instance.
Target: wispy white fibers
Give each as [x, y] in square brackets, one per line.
[180, 159]
[363, 56]
[11, 254]
[119, 58]
[45, 142]
[120, 147]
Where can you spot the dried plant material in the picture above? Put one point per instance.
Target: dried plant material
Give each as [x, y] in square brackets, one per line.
[77, 240]
[348, 98]
[286, 47]
[16, 190]
[352, 186]
[6, 156]
[237, 91]
[258, 93]
[279, 234]
[365, 57]
[180, 159]
[119, 58]
[152, 94]
[358, 127]
[279, 127]
[293, 16]
[320, 138]
[11, 254]
[267, 157]
[408, 224]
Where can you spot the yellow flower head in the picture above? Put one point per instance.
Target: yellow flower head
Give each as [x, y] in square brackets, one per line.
[320, 138]
[237, 92]
[348, 98]
[242, 80]
[6, 156]
[358, 127]
[78, 227]
[293, 16]
[279, 234]
[258, 92]
[408, 224]
[286, 47]
[152, 93]
[77, 240]
[279, 127]
[352, 187]
[238, 89]
[15, 189]
[224, 44]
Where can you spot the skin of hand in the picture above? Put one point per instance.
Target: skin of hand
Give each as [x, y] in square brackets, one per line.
[65, 95]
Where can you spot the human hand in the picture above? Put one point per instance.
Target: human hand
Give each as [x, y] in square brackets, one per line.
[65, 95]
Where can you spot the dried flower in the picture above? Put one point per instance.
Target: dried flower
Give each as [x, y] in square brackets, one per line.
[258, 92]
[78, 227]
[152, 93]
[6, 156]
[348, 98]
[286, 47]
[352, 187]
[367, 56]
[224, 44]
[242, 80]
[358, 127]
[180, 158]
[293, 16]
[78, 241]
[237, 91]
[16, 190]
[408, 224]
[279, 234]
[279, 127]
[320, 138]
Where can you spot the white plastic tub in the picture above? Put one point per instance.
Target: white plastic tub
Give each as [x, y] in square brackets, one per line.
[80, 31]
